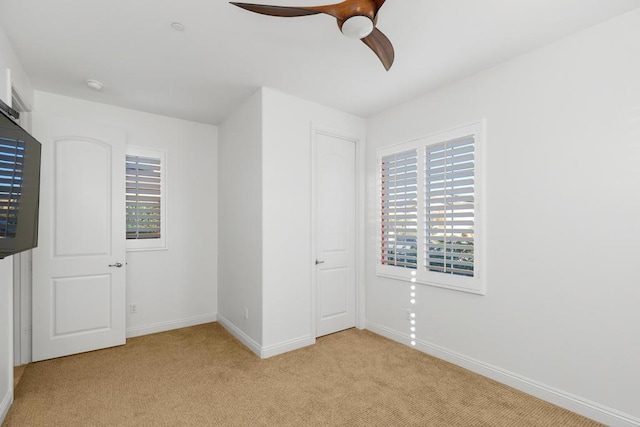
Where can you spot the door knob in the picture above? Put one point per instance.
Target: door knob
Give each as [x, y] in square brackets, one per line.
[117, 264]
[319, 262]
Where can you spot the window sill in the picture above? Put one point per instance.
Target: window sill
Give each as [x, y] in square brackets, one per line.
[145, 245]
[147, 249]
[476, 290]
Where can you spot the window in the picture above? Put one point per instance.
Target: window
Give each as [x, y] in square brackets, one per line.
[449, 206]
[399, 209]
[430, 193]
[146, 200]
[11, 169]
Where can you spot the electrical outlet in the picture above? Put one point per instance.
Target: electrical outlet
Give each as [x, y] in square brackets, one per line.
[246, 313]
[133, 308]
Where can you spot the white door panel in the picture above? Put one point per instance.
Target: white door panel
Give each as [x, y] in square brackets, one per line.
[82, 197]
[335, 234]
[78, 290]
[92, 314]
[333, 292]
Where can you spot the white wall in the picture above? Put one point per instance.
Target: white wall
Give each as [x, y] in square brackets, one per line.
[287, 257]
[19, 80]
[562, 172]
[265, 218]
[176, 287]
[240, 222]
[16, 78]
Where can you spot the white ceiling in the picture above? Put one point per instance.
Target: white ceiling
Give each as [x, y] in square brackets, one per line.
[226, 53]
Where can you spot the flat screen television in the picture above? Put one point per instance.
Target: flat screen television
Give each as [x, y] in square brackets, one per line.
[19, 186]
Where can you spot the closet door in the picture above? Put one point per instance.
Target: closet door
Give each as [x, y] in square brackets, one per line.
[335, 206]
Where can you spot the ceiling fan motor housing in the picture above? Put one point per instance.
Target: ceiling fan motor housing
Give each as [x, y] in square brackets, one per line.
[357, 27]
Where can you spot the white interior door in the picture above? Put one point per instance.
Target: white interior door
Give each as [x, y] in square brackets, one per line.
[79, 264]
[335, 234]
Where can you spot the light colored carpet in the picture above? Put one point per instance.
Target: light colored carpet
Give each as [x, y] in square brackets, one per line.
[202, 376]
[17, 374]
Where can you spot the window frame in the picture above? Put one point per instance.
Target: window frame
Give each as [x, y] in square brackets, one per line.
[420, 274]
[155, 244]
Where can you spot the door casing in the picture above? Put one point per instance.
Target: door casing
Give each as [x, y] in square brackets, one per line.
[22, 268]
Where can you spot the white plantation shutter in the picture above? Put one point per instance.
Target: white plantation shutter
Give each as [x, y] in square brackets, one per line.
[11, 170]
[450, 206]
[399, 223]
[144, 197]
[430, 222]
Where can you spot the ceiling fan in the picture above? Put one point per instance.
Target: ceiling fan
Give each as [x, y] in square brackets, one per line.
[356, 19]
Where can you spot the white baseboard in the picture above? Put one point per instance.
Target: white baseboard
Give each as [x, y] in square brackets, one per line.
[7, 400]
[170, 325]
[259, 350]
[240, 335]
[550, 394]
[283, 347]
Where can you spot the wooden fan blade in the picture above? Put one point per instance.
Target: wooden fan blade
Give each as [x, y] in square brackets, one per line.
[381, 46]
[284, 11]
[339, 10]
[379, 3]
